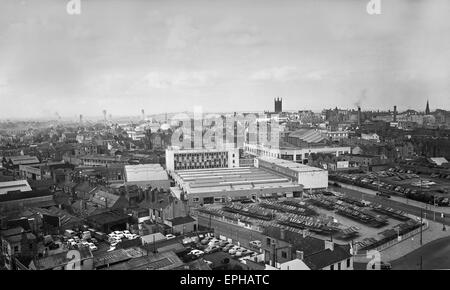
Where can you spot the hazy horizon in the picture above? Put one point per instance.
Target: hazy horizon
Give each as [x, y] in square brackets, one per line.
[168, 56]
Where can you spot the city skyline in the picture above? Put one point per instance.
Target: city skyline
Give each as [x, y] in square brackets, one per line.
[233, 56]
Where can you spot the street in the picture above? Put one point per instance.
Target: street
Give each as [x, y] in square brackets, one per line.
[435, 255]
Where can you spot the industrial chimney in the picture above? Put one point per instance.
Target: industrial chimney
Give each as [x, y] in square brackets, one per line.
[104, 115]
[143, 115]
[81, 119]
[359, 116]
[395, 113]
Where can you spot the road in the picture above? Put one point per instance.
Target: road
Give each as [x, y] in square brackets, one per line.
[435, 255]
[411, 209]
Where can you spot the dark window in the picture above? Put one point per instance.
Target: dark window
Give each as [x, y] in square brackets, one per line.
[268, 241]
[339, 265]
[348, 263]
[284, 255]
[332, 267]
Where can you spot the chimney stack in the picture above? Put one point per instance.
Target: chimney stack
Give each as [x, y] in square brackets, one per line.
[359, 116]
[329, 245]
[299, 255]
[282, 234]
[395, 113]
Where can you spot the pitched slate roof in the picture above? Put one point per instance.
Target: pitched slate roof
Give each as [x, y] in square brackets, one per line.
[103, 198]
[327, 257]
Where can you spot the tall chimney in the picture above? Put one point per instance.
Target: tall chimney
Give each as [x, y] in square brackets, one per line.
[359, 116]
[395, 113]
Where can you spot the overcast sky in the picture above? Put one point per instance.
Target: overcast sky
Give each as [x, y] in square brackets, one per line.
[167, 56]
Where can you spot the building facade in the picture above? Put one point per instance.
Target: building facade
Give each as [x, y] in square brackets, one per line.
[201, 158]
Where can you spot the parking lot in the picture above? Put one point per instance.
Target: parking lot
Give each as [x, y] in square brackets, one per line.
[202, 245]
[430, 189]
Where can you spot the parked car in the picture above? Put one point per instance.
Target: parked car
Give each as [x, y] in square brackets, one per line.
[233, 250]
[212, 249]
[214, 241]
[170, 236]
[227, 247]
[92, 247]
[257, 244]
[206, 240]
[196, 253]
[223, 243]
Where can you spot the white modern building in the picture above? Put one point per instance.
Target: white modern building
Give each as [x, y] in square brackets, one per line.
[299, 155]
[182, 159]
[146, 175]
[307, 176]
[218, 185]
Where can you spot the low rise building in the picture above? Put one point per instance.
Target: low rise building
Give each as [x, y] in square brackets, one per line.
[147, 175]
[309, 177]
[207, 186]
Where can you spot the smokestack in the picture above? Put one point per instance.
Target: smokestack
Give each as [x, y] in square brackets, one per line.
[81, 119]
[359, 116]
[143, 115]
[104, 115]
[395, 113]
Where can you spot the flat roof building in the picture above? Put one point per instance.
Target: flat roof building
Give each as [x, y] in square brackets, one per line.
[308, 176]
[203, 186]
[295, 154]
[21, 185]
[146, 175]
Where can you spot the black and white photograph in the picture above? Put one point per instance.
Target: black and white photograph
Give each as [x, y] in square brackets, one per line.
[232, 135]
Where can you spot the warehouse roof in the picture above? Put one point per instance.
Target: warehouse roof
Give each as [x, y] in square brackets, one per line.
[145, 172]
[290, 164]
[21, 185]
[23, 159]
[231, 179]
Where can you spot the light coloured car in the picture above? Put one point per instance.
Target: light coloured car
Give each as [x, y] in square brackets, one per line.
[119, 234]
[93, 247]
[170, 236]
[111, 249]
[126, 232]
[233, 250]
[196, 253]
[212, 249]
[256, 244]
[214, 242]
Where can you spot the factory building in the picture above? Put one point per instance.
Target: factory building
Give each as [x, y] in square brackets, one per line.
[207, 186]
[181, 159]
[145, 175]
[299, 155]
[309, 177]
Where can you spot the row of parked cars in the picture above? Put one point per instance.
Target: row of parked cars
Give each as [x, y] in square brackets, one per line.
[78, 239]
[208, 244]
[116, 237]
